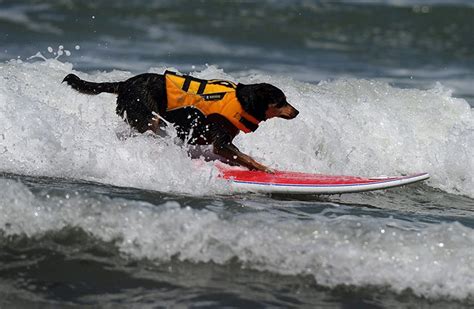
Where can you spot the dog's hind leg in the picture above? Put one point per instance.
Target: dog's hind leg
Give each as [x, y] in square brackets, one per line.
[134, 113]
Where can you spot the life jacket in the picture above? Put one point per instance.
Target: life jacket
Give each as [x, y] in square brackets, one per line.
[209, 97]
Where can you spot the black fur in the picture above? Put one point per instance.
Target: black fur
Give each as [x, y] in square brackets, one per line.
[256, 98]
[138, 98]
[90, 88]
[143, 97]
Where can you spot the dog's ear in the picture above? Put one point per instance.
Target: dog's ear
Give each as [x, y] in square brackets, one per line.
[248, 96]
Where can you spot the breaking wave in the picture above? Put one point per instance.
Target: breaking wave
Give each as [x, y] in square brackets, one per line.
[346, 126]
[432, 260]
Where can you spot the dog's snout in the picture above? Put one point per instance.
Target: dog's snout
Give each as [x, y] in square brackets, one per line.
[293, 112]
[289, 112]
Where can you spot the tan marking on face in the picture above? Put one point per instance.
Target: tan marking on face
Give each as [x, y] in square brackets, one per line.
[287, 112]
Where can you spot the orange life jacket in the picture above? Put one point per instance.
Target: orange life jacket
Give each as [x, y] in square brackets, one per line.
[208, 96]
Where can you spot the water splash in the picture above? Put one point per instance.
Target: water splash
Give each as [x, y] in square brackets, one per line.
[432, 260]
[347, 126]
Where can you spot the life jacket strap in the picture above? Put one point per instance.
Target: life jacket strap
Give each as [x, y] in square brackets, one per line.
[186, 84]
[202, 87]
[248, 124]
[247, 120]
[210, 97]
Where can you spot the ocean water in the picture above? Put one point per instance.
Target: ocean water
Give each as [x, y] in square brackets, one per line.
[92, 214]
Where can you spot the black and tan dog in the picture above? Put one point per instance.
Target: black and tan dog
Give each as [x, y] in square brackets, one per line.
[204, 112]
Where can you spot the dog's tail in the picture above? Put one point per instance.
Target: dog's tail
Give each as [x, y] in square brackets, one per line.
[89, 87]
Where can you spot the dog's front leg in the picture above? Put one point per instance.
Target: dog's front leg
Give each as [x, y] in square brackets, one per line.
[233, 154]
[154, 123]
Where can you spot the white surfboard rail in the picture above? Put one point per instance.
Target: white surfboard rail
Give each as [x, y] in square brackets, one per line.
[379, 184]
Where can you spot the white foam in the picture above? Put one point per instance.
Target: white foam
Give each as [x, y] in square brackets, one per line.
[369, 128]
[48, 129]
[433, 260]
[346, 126]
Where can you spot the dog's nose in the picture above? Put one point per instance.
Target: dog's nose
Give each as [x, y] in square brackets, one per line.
[295, 113]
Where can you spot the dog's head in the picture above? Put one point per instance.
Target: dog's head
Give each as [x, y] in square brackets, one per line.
[265, 101]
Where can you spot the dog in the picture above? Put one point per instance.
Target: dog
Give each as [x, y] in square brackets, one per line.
[204, 112]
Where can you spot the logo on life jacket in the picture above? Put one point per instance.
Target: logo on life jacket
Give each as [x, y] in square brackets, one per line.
[208, 96]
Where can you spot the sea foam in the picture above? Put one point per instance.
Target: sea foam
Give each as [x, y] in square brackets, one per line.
[346, 126]
[432, 260]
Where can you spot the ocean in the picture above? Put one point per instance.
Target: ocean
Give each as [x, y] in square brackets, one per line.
[93, 215]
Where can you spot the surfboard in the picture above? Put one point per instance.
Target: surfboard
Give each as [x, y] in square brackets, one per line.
[286, 182]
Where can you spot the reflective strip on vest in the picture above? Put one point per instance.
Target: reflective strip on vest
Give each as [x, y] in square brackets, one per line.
[210, 97]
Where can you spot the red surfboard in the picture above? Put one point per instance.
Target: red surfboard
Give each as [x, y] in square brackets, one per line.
[306, 183]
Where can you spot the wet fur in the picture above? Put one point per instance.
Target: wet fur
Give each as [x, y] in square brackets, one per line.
[143, 97]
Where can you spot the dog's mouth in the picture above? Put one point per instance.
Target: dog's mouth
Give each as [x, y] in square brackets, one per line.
[287, 117]
[290, 114]
[286, 112]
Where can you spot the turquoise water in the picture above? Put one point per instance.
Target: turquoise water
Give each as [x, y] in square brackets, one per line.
[91, 214]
